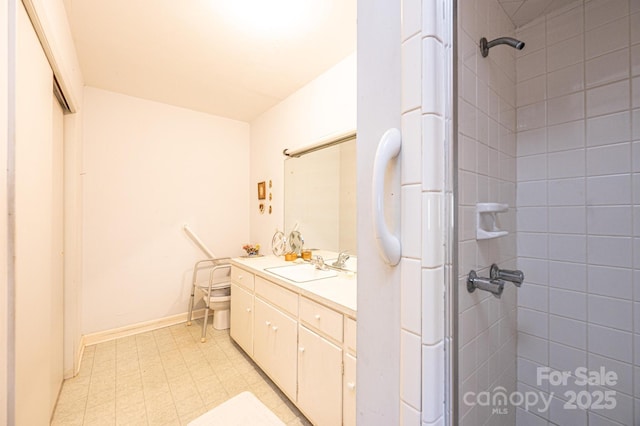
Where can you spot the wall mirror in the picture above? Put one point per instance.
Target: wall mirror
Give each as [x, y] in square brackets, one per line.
[320, 195]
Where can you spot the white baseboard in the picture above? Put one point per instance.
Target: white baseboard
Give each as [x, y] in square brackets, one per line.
[141, 327]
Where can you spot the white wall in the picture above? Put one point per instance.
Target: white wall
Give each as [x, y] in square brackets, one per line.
[487, 173]
[324, 107]
[150, 168]
[578, 205]
[4, 257]
[378, 364]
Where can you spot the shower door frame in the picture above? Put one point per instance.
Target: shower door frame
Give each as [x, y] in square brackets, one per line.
[450, 159]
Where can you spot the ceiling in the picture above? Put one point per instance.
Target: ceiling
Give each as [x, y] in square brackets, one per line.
[231, 58]
[524, 11]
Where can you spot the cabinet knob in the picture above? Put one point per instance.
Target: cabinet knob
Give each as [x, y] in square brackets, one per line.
[301, 349]
[274, 328]
[248, 309]
[267, 323]
[317, 316]
[239, 277]
[351, 385]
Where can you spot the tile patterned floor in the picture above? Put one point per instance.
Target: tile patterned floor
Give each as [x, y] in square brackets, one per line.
[164, 377]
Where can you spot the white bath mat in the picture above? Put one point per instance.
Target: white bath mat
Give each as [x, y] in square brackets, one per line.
[242, 410]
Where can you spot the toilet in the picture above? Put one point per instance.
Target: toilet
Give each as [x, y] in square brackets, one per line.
[220, 303]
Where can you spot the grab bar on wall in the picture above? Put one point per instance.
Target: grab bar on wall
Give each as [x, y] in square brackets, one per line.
[199, 242]
[388, 243]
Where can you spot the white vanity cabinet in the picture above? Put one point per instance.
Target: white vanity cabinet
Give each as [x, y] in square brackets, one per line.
[349, 391]
[304, 343]
[241, 322]
[242, 317]
[349, 377]
[319, 378]
[275, 345]
[320, 362]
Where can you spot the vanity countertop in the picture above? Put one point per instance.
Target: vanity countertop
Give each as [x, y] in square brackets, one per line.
[339, 292]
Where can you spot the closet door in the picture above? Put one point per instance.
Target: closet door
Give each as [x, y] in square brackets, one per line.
[38, 310]
[57, 254]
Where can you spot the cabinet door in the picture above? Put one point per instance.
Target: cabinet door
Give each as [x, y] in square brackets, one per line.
[319, 379]
[274, 345]
[242, 318]
[349, 391]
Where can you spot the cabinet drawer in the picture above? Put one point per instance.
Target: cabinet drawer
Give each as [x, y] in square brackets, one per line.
[242, 277]
[277, 295]
[350, 334]
[321, 318]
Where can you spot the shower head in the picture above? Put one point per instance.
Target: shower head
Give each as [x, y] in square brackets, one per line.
[486, 45]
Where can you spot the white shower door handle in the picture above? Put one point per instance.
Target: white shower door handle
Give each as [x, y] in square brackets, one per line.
[388, 243]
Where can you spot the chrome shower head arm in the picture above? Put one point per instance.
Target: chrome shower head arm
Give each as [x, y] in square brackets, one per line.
[486, 45]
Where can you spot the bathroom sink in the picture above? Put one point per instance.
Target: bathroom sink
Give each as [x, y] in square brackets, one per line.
[301, 273]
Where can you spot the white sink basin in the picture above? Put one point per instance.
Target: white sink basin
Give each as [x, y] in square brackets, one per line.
[301, 273]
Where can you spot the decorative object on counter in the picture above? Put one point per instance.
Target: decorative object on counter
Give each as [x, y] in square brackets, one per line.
[306, 254]
[261, 208]
[262, 193]
[252, 250]
[296, 242]
[278, 243]
[290, 256]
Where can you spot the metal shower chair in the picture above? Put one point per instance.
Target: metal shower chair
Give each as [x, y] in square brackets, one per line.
[208, 288]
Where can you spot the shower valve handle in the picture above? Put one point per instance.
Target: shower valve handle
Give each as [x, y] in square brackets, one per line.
[494, 287]
[516, 277]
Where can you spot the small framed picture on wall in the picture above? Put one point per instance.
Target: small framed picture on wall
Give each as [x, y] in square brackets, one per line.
[262, 193]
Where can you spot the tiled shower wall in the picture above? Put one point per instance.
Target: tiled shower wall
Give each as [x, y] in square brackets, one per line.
[578, 198]
[426, 50]
[486, 173]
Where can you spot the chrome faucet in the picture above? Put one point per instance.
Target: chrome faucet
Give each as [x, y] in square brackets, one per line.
[341, 260]
[318, 261]
[516, 276]
[493, 286]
